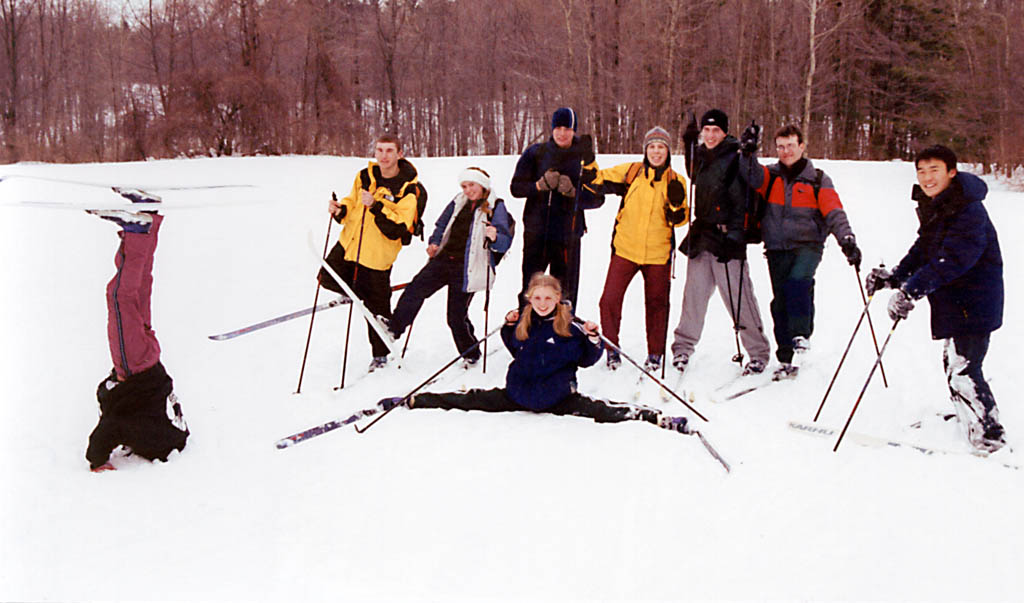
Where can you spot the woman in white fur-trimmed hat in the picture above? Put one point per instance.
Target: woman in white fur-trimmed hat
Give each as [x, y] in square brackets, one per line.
[473, 226]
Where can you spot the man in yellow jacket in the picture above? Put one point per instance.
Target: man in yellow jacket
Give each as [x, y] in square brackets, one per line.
[653, 205]
[376, 215]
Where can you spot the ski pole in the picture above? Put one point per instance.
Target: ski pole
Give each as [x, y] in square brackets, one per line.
[860, 286]
[355, 275]
[878, 361]
[860, 320]
[316, 297]
[408, 335]
[735, 320]
[487, 297]
[408, 396]
[579, 322]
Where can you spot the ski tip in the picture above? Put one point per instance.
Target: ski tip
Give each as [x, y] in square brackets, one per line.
[285, 443]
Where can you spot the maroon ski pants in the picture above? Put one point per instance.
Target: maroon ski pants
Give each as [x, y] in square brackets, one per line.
[133, 344]
[656, 281]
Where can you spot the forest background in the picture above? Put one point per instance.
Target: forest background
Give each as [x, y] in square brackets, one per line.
[121, 80]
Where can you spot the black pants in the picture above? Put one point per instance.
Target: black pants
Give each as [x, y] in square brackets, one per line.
[577, 405]
[792, 274]
[541, 253]
[373, 287]
[439, 272]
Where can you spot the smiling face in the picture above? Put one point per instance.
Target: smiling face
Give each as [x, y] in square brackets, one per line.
[933, 176]
[563, 136]
[712, 135]
[657, 154]
[472, 190]
[544, 300]
[387, 155]
[790, 150]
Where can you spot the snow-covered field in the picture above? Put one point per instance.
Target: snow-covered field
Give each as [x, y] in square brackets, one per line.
[430, 505]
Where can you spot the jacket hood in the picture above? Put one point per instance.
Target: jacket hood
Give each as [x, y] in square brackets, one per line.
[406, 171]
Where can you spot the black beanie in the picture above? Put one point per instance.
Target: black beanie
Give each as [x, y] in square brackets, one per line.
[564, 117]
[715, 117]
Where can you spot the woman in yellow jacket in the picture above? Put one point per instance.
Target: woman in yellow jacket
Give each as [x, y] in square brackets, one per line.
[653, 205]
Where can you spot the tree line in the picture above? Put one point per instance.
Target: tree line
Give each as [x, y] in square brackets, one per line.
[117, 80]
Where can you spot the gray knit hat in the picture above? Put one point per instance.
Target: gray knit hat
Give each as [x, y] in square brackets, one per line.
[658, 134]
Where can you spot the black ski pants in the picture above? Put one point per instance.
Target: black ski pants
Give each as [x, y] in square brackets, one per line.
[373, 287]
[541, 252]
[439, 272]
[575, 404]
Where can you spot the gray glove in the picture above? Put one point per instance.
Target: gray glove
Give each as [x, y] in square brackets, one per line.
[900, 305]
[878, 279]
[565, 186]
[549, 181]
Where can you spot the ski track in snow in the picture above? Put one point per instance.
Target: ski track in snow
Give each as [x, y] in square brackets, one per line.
[435, 505]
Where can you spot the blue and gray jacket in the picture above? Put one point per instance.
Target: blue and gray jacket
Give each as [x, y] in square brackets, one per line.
[477, 260]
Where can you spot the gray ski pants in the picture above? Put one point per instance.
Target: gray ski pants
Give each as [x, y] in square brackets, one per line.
[704, 274]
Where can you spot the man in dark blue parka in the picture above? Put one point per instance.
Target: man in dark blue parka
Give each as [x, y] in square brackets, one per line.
[956, 263]
[554, 176]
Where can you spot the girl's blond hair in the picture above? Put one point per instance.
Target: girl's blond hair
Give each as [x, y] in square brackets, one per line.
[563, 315]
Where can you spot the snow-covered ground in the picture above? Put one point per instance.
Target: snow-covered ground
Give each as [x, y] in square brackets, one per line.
[430, 505]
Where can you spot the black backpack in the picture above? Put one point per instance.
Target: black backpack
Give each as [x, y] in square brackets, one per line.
[421, 206]
[757, 205]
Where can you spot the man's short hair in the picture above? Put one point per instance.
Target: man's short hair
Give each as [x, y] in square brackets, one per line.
[937, 151]
[390, 138]
[790, 130]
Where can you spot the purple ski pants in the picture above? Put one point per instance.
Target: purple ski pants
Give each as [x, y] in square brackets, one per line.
[133, 344]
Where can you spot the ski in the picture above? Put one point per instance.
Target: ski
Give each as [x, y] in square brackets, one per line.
[711, 450]
[334, 303]
[371, 318]
[821, 431]
[280, 319]
[119, 188]
[382, 406]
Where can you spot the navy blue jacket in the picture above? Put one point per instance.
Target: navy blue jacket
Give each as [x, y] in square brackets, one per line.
[544, 365]
[550, 214]
[956, 260]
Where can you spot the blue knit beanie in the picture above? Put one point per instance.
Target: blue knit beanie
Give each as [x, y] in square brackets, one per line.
[564, 117]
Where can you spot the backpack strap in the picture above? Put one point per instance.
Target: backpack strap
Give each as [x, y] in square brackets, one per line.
[631, 173]
[818, 177]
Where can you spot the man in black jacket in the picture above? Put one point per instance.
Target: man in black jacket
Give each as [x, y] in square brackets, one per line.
[553, 177]
[957, 264]
[715, 246]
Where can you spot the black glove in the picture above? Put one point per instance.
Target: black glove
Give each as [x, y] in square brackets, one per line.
[749, 139]
[851, 251]
[878, 279]
[900, 305]
[676, 193]
[587, 149]
[549, 181]
[692, 131]
[565, 186]
[732, 247]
